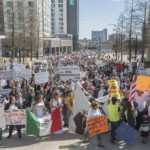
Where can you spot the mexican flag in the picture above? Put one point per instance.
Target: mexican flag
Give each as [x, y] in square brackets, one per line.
[48, 124]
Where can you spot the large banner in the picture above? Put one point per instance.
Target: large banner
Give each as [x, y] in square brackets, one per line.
[2, 117]
[97, 125]
[42, 77]
[114, 89]
[15, 117]
[69, 72]
[7, 75]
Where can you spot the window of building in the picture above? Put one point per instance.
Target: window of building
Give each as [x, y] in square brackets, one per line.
[53, 5]
[60, 5]
[53, 19]
[61, 28]
[9, 3]
[60, 1]
[9, 11]
[9, 26]
[53, 23]
[53, 15]
[31, 11]
[20, 4]
[30, 3]
[60, 10]
[9, 18]
[60, 15]
[20, 18]
[52, 1]
[20, 11]
[60, 19]
[61, 23]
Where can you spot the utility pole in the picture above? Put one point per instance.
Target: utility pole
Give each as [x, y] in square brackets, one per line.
[130, 33]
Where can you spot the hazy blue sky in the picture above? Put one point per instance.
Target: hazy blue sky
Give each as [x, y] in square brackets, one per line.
[98, 14]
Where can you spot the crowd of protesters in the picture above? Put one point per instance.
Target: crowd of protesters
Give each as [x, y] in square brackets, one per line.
[94, 79]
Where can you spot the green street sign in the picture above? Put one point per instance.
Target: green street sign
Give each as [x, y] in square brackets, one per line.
[71, 2]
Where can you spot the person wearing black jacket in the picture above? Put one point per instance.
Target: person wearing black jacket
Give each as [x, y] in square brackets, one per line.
[12, 105]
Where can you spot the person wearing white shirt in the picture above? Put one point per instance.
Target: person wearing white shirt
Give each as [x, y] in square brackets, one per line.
[93, 113]
[140, 98]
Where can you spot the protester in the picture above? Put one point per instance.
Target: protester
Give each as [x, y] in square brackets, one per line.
[93, 113]
[38, 106]
[114, 117]
[56, 102]
[69, 100]
[12, 105]
[130, 114]
[1, 130]
[145, 128]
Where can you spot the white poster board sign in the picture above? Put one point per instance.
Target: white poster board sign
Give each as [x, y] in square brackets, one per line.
[142, 72]
[26, 71]
[148, 71]
[18, 67]
[7, 75]
[5, 91]
[69, 72]
[2, 117]
[130, 67]
[42, 77]
[15, 117]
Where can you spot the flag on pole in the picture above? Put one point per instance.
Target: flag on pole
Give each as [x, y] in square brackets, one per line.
[48, 124]
[133, 86]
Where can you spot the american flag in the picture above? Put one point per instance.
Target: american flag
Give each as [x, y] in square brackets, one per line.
[133, 86]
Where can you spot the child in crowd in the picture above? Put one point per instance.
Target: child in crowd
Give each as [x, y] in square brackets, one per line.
[145, 128]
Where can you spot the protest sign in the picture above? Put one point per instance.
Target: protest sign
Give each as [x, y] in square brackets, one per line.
[24, 74]
[119, 67]
[7, 75]
[26, 71]
[2, 117]
[130, 67]
[141, 66]
[127, 133]
[143, 83]
[97, 125]
[15, 117]
[18, 67]
[69, 72]
[142, 72]
[148, 71]
[114, 89]
[42, 77]
[5, 91]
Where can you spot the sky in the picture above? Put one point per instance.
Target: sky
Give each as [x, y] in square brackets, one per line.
[97, 15]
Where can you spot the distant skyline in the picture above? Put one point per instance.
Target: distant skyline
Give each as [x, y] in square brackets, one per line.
[97, 15]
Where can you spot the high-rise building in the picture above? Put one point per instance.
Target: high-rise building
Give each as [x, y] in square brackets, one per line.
[26, 21]
[73, 21]
[58, 16]
[99, 35]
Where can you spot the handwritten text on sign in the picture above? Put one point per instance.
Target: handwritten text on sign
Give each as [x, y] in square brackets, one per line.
[69, 72]
[97, 125]
[15, 117]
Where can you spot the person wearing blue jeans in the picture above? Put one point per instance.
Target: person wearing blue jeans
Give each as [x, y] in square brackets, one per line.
[93, 113]
[1, 137]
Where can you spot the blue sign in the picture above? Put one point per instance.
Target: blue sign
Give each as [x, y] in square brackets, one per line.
[127, 133]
